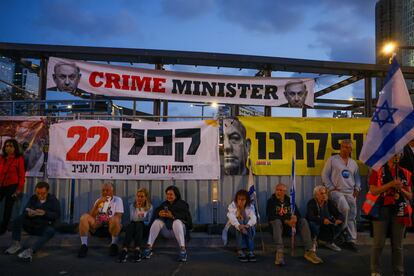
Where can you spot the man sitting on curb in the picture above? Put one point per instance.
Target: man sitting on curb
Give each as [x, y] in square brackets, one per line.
[281, 220]
[103, 220]
[38, 218]
[324, 218]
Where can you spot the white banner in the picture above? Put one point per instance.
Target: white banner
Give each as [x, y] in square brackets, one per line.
[134, 150]
[78, 77]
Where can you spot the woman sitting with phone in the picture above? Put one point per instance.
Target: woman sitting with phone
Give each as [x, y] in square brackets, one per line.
[173, 219]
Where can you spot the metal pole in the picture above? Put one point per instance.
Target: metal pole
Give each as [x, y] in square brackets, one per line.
[157, 103]
[42, 82]
[267, 109]
[368, 97]
[165, 110]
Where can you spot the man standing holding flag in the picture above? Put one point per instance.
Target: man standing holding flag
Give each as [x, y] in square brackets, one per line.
[389, 184]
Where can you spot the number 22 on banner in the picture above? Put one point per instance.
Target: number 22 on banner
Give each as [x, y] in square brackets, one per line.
[84, 133]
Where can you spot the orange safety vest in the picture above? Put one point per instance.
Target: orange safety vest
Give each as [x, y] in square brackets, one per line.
[369, 203]
[371, 199]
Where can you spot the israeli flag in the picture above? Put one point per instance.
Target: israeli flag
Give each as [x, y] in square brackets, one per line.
[392, 123]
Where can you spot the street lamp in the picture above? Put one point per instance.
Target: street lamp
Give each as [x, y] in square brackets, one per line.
[391, 48]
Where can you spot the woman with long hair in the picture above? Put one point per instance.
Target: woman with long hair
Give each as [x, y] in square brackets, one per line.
[140, 217]
[12, 177]
[242, 216]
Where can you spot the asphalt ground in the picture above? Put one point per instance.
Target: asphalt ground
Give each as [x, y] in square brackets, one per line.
[201, 261]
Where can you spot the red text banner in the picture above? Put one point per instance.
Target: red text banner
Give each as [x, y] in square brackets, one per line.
[134, 150]
[79, 77]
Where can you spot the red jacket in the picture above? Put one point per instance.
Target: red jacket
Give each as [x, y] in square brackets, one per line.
[12, 172]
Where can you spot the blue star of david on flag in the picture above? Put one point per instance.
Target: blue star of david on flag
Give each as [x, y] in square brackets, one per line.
[392, 125]
[384, 108]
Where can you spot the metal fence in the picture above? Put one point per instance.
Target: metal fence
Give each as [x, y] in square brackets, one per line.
[198, 194]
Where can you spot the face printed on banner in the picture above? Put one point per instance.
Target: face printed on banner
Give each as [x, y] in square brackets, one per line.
[66, 77]
[295, 94]
[236, 147]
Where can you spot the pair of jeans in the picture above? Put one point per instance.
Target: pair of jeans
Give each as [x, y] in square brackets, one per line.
[134, 232]
[6, 193]
[302, 228]
[323, 232]
[178, 231]
[44, 233]
[388, 221]
[346, 204]
[245, 240]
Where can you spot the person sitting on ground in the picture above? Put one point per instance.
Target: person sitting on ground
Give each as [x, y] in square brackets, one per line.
[281, 220]
[103, 220]
[172, 219]
[241, 215]
[324, 218]
[140, 216]
[38, 218]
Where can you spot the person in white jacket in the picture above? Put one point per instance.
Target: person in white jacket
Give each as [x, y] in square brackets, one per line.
[242, 216]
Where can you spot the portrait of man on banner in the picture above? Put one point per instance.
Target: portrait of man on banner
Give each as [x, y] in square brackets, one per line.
[236, 147]
[66, 77]
[296, 93]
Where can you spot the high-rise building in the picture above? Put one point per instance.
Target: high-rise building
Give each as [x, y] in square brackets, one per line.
[394, 22]
[408, 31]
[6, 75]
[407, 26]
[388, 26]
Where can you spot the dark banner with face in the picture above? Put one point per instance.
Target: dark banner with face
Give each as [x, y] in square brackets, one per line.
[32, 135]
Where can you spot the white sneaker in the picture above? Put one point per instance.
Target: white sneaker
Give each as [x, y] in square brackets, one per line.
[13, 248]
[26, 255]
[333, 247]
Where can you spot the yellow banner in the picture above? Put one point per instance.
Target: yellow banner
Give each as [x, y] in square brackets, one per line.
[313, 140]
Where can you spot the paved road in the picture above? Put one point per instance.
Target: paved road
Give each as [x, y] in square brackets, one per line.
[201, 261]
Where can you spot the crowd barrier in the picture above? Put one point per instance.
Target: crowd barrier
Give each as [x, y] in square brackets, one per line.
[198, 194]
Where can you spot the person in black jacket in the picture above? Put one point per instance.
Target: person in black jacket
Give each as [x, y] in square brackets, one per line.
[407, 162]
[173, 219]
[281, 220]
[324, 218]
[38, 218]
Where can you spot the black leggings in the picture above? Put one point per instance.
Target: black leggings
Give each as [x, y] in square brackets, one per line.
[135, 232]
[6, 193]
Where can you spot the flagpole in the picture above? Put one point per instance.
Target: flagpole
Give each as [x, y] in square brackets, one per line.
[251, 182]
[293, 205]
